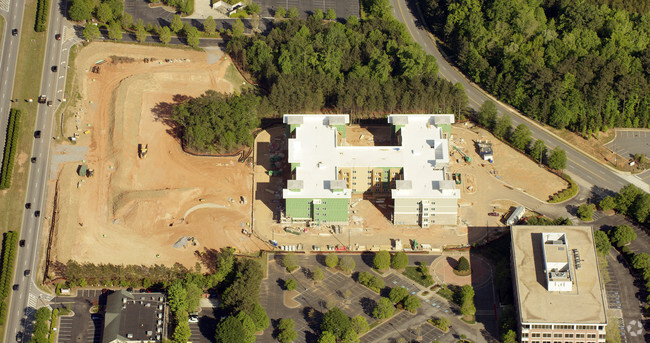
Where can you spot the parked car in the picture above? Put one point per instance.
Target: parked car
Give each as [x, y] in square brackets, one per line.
[194, 319]
[494, 214]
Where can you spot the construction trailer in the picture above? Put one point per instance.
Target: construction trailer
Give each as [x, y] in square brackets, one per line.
[516, 215]
[485, 150]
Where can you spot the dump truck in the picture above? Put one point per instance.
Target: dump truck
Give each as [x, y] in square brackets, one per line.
[82, 170]
[142, 150]
[292, 231]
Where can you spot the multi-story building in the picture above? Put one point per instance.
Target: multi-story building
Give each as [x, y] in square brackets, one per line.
[558, 291]
[326, 171]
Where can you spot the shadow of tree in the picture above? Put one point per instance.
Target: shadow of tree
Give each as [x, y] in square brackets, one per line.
[367, 304]
[164, 112]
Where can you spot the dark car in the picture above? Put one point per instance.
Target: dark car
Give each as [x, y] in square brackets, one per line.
[494, 214]
[55, 68]
[15, 287]
[33, 160]
[57, 36]
[49, 103]
[14, 32]
[19, 336]
[22, 243]
[37, 134]
[37, 214]
[28, 205]
[27, 272]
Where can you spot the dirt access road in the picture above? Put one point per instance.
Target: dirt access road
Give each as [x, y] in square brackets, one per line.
[134, 210]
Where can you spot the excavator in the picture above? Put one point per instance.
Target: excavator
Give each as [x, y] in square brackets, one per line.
[142, 150]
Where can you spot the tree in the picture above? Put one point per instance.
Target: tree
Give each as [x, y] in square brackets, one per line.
[248, 325]
[602, 242]
[397, 294]
[293, 13]
[290, 261]
[641, 261]
[287, 333]
[586, 212]
[557, 159]
[400, 260]
[641, 208]
[165, 35]
[126, 21]
[317, 274]
[114, 31]
[280, 13]
[607, 204]
[177, 297]
[377, 8]
[290, 285]
[350, 336]
[347, 264]
[359, 324]
[259, 317]
[331, 260]
[193, 296]
[209, 25]
[176, 24]
[192, 35]
[384, 309]
[237, 28]
[104, 13]
[487, 114]
[253, 8]
[538, 151]
[520, 137]
[330, 14]
[502, 126]
[442, 323]
[335, 322]
[140, 33]
[79, 11]
[626, 198]
[467, 308]
[91, 32]
[243, 293]
[463, 265]
[509, 337]
[371, 281]
[622, 235]
[326, 337]
[412, 303]
[318, 15]
[182, 330]
[229, 330]
[381, 260]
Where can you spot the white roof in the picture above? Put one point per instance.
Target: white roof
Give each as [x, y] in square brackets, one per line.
[422, 154]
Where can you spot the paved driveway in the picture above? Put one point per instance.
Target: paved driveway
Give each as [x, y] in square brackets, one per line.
[81, 327]
[630, 142]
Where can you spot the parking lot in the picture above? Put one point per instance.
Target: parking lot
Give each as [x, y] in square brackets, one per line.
[343, 8]
[630, 142]
[82, 327]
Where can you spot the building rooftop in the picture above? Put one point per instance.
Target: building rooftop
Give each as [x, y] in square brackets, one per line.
[422, 155]
[584, 303]
[133, 317]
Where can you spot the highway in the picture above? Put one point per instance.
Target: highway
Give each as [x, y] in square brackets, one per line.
[29, 297]
[8, 59]
[579, 164]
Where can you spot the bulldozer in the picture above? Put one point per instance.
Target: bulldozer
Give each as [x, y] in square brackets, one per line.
[142, 150]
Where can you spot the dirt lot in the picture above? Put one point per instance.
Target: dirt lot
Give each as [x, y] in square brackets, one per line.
[134, 210]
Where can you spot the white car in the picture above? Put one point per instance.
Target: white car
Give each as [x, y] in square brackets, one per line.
[194, 319]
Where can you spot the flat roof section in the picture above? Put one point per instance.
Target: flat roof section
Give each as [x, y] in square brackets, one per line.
[584, 304]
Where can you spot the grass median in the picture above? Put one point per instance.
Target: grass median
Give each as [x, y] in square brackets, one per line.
[26, 85]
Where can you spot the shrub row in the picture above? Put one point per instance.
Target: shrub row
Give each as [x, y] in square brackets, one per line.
[41, 15]
[11, 144]
[6, 274]
[41, 329]
[55, 313]
[371, 281]
[565, 194]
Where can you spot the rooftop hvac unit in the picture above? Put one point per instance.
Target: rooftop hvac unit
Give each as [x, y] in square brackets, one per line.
[161, 299]
[159, 315]
[129, 335]
[158, 337]
[147, 305]
[123, 300]
[160, 307]
[159, 322]
[159, 329]
[149, 333]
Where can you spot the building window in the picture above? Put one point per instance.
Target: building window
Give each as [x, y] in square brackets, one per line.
[580, 335]
[601, 336]
[534, 334]
[568, 335]
[591, 335]
[354, 172]
[354, 178]
[525, 334]
[557, 335]
[546, 335]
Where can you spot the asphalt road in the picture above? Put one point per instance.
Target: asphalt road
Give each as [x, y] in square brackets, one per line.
[578, 164]
[13, 20]
[28, 297]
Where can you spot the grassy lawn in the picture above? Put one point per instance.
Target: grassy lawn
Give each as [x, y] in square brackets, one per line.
[613, 334]
[26, 85]
[414, 274]
[2, 28]
[602, 266]
[71, 94]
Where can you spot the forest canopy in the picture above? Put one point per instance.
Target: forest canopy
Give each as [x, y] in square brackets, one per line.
[572, 64]
[367, 68]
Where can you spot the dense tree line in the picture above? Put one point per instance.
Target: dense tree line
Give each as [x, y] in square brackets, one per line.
[11, 145]
[42, 11]
[367, 66]
[636, 6]
[9, 242]
[630, 201]
[41, 327]
[570, 64]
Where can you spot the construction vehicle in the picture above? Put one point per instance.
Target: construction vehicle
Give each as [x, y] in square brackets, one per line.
[90, 172]
[142, 150]
[275, 172]
[465, 157]
[42, 99]
[82, 170]
[457, 178]
[292, 230]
